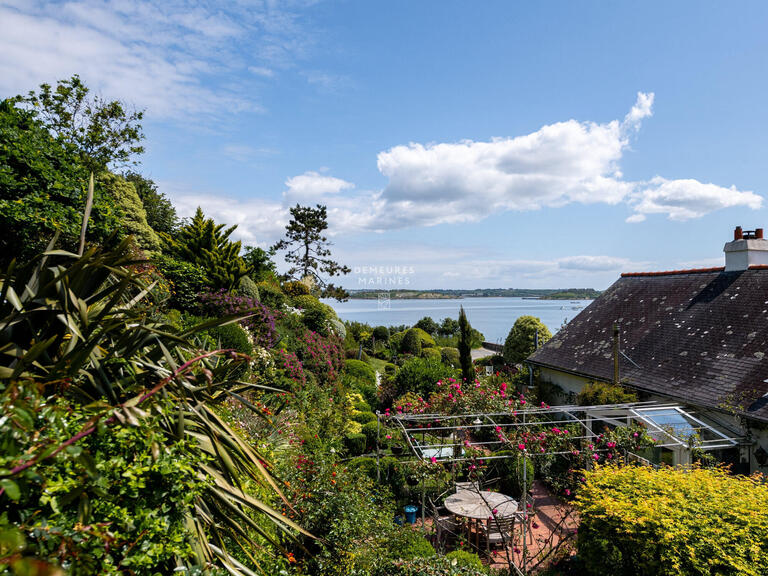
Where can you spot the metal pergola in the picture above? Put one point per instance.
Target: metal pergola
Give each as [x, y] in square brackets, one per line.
[673, 426]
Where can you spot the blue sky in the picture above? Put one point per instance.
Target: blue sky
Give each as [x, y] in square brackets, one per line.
[456, 144]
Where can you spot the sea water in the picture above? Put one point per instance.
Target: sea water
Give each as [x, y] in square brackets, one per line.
[493, 317]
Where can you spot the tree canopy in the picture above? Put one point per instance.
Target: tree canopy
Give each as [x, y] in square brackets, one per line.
[307, 248]
[521, 341]
[103, 132]
[207, 244]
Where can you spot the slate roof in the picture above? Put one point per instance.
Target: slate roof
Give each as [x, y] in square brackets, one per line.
[698, 336]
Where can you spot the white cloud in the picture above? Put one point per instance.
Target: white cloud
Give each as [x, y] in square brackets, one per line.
[261, 71]
[163, 56]
[594, 263]
[466, 181]
[259, 222]
[687, 198]
[642, 109]
[562, 163]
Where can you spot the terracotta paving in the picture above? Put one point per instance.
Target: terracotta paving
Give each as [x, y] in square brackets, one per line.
[553, 521]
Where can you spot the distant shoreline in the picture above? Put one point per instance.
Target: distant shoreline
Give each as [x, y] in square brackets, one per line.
[527, 294]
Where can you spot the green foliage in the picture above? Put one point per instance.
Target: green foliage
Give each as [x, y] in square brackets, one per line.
[295, 288]
[449, 327]
[85, 364]
[450, 356]
[420, 375]
[411, 544]
[91, 504]
[510, 472]
[466, 559]
[260, 265]
[432, 354]
[102, 132]
[270, 295]
[161, 215]
[381, 333]
[187, 281]
[203, 242]
[520, 342]
[364, 417]
[248, 288]
[642, 521]
[361, 371]
[133, 216]
[428, 325]
[371, 431]
[355, 444]
[437, 566]
[411, 343]
[307, 249]
[42, 190]
[465, 347]
[231, 336]
[314, 314]
[597, 393]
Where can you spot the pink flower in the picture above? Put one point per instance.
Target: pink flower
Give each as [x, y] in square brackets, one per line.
[433, 460]
[389, 437]
[521, 446]
[494, 511]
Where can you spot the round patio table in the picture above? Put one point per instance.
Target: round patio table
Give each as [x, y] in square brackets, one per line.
[480, 506]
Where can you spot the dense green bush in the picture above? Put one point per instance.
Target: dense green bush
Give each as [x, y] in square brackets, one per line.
[187, 280]
[314, 314]
[381, 334]
[361, 371]
[371, 431]
[449, 356]
[295, 288]
[642, 521]
[248, 288]
[364, 417]
[597, 393]
[436, 566]
[270, 295]
[411, 343]
[409, 544]
[355, 444]
[466, 559]
[432, 354]
[520, 342]
[420, 375]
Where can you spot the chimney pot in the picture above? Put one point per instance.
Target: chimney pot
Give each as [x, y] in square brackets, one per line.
[748, 248]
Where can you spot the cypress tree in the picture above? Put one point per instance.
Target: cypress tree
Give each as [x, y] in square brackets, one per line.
[465, 347]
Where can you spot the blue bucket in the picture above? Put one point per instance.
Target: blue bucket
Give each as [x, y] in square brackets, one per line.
[410, 513]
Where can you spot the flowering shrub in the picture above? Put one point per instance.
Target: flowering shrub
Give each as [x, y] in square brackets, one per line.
[322, 355]
[638, 520]
[261, 323]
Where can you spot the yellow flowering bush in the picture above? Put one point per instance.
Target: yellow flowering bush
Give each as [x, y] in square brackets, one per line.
[639, 520]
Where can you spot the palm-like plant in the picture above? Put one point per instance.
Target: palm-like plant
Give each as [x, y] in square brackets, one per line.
[84, 328]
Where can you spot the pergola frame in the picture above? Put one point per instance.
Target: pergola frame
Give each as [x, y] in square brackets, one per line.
[586, 417]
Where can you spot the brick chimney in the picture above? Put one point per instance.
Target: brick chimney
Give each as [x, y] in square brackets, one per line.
[748, 248]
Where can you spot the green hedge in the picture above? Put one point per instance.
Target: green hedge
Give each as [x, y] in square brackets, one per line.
[642, 521]
[364, 417]
[466, 559]
[355, 444]
[438, 566]
[361, 371]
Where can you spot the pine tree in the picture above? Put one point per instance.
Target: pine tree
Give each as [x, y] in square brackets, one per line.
[206, 243]
[307, 249]
[465, 347]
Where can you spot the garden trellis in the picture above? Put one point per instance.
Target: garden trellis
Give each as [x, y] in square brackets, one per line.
[451, 439]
